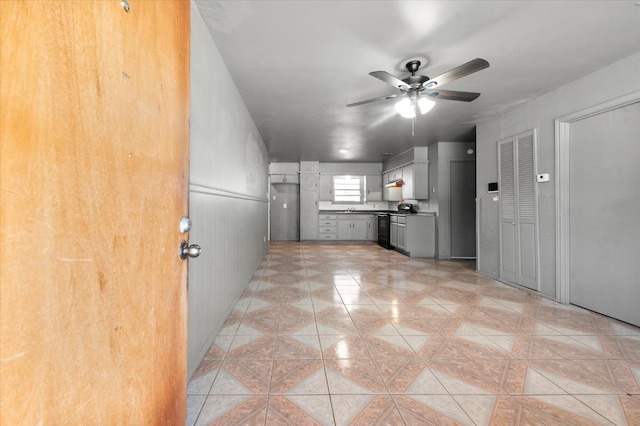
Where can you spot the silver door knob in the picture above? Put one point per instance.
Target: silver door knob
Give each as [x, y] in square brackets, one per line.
[187, 250]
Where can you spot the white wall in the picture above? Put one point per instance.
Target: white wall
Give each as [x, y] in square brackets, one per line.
[608, 83]
[227, 192]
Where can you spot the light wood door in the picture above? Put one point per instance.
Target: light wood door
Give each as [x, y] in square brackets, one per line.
[94, 170]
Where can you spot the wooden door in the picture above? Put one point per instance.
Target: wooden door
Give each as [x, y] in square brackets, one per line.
[94, 171]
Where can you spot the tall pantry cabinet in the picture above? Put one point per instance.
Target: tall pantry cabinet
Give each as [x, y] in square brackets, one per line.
[309, 197]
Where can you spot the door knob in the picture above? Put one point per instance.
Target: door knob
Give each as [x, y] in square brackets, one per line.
[187, 250]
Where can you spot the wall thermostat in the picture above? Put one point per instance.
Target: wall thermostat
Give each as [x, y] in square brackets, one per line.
[492, 187]
[542, 177]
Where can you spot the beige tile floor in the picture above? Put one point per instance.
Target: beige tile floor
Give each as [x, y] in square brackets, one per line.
[356, 334]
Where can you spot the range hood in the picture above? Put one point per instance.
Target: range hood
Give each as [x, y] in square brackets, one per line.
[393, 184]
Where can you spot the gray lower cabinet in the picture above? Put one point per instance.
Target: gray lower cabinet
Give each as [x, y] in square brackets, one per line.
[394, 231]
[414, 235]
[353, 227]
[402, 243]
[327, 227]
[372, 229]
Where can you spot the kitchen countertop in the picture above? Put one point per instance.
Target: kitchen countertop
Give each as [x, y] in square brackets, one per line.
[375, 211]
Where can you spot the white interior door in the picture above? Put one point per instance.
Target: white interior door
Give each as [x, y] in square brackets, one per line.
[604, 207]
[506, 184]
[285, 212]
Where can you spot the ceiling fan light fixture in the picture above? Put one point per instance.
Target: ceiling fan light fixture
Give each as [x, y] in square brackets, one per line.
[425, 105]
[406, 108]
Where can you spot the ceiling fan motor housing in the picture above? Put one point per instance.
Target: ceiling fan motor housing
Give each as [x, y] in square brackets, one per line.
[414, 81]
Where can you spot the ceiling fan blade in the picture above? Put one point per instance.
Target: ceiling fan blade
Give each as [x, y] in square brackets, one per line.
[388, 78]
[456, 73]
[453, 95]
[381, 98]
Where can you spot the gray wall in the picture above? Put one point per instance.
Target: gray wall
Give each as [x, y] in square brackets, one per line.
[227, 193]
[608, 83]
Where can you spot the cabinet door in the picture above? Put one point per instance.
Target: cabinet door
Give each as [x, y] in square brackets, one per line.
[394, 234]
[395, 175]
[374, 187]
[385, 190]
[326, 187]
[420, 181]
[344, 230]
[401, 237]
[308, 215]
[372, 229]
[309, 181]
[359, 230]
[408, 183]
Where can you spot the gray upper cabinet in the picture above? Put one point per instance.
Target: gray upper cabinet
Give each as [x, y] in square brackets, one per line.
[326, 187]
[412, 166]
[284, 178]
[308, 181]
[395, 174]
[415, 179]
[374, 187]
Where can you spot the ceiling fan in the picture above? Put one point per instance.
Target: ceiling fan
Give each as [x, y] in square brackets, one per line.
[416, 90]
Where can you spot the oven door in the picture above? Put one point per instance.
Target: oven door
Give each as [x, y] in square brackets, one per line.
[384, 231]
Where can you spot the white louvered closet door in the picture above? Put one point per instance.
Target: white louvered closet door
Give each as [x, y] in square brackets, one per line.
[518, 210]
[507, 187]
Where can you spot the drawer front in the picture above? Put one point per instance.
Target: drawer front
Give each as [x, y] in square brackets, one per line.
[402, 219]
[327, 229]
[327, 237]
[328, 222]
[328, 217]
[394, 219]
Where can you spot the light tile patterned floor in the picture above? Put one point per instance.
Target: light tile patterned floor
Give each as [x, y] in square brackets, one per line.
[356, 334]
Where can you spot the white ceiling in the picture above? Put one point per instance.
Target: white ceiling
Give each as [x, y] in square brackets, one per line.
[298, 63]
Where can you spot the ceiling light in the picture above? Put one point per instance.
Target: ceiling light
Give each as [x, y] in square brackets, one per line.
[407, 107]
[344, 151]
[425, 105]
